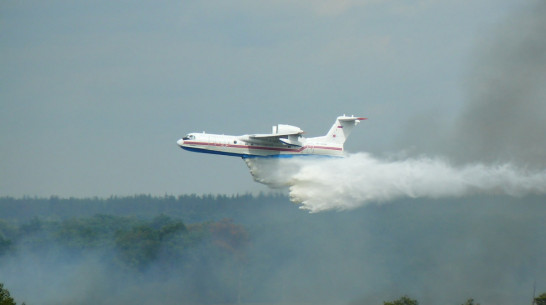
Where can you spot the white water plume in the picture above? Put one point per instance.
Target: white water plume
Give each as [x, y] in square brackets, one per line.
[320, 184]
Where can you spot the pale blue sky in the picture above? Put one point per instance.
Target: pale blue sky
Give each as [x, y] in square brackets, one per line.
[94, 95]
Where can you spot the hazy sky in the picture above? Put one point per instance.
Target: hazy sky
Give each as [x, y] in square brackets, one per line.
[94, 95]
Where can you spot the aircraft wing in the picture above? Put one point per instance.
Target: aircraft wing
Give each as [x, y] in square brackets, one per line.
[270, 136]
[282, 134]
[287, 139]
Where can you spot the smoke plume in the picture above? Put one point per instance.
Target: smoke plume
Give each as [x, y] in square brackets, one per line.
[506, 96]
[320, 184]
[503, 111]
[496, 144]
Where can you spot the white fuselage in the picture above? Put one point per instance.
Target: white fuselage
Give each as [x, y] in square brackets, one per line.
[284, 141]
[240, 146]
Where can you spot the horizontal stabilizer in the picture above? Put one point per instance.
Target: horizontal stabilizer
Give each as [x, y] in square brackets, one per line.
[341, 129]
[348, 119]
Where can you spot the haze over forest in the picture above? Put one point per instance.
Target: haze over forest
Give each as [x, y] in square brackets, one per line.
[263, 249]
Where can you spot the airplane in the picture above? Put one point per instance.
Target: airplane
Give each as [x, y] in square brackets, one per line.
[285, 141]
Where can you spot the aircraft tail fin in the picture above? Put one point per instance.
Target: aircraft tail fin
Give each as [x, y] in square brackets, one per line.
[342, 128]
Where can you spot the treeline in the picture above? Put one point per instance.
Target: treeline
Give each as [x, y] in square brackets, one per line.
[129, 246]
[6, 299]
[193, 208]
[137, 242]
[200, 244]
[405, 300]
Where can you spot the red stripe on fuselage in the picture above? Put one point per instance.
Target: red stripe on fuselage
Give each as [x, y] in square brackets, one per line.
[260, 147]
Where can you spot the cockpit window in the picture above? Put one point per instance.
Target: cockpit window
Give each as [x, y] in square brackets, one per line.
[188, 137]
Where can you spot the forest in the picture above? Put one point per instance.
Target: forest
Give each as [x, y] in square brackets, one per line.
[246, 249]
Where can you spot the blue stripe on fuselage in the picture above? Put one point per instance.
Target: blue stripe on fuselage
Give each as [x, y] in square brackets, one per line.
[215, 152]
[244, 156]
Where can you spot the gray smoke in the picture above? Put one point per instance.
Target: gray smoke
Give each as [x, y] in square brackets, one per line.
[490, 248]
[503, 118]
[506, 113]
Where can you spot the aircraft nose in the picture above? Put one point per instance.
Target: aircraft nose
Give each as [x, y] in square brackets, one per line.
[180, 142]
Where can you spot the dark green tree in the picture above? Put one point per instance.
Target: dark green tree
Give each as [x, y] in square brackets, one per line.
[5, 244]
[138, 246]
[5, 298]
[405, 300]
[541, 299]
